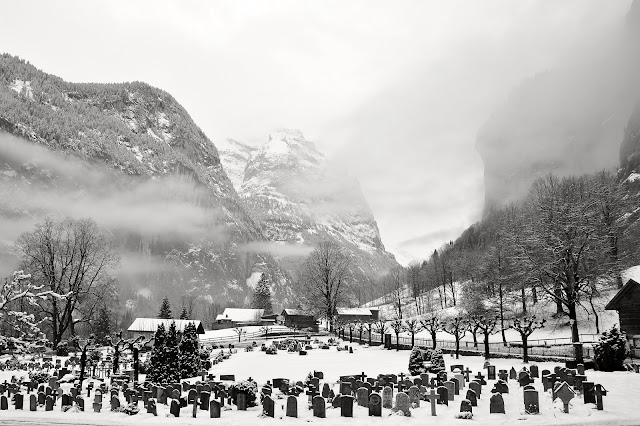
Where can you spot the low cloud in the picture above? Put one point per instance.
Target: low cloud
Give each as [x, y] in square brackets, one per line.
[276, 249]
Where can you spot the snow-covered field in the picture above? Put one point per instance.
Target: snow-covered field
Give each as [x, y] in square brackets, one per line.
[619, 408]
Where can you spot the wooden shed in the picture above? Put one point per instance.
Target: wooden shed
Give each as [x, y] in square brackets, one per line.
[627, 303]
[298, 319]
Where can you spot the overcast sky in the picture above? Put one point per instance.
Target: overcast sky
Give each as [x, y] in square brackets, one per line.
[396, 90]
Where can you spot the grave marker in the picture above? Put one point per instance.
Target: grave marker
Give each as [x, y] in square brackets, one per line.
[292, 406]
[346, 406]
[599, 392]
[214, 409]
[319, 407]
[175, 408]
[443, 395]
[403, 404]
[466, 406]
[451, 387]
[566, 394]
[471, 396]
[268, 406]
[387, 397]
[496, 404]
[531, 402]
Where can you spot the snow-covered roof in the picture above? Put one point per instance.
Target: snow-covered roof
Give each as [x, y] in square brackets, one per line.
[151, 324]
[296, 312]
[241, 315]
[354, 311]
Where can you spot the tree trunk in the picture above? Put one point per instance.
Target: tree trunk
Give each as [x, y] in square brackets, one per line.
[397, 341]
[525, 349]
[433, 337]
[412, 340]
[501, 294]
[350, 336]
[136, 363]
[83, 364]
[474, 333]
[486, 345]
[524, 300]
[457, 347]
[575, 335]
[558, 294]
[534, 294]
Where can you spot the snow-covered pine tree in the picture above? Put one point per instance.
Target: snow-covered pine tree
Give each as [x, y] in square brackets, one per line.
[262, 296]
[165, 309]
[172, 371]
[156, 360]
[189, 352]
[184, 315]
[611, 351]
[102, 325]
[416, 364]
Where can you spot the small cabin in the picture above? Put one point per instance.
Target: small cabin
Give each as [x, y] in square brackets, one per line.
[627, 303]
[299, 319]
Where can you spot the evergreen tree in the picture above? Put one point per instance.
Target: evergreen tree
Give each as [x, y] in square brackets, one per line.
[189, 352]
[156, 360]
[183, 314]
[416, 364]
[165, 309]
[127, 320]
[262, 296]
[611, 351]
[172, 372]
[102, 325]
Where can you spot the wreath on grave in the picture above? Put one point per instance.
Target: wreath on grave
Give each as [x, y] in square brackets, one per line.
[249, 387]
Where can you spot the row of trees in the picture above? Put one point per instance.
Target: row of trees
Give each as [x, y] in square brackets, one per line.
[173, 359]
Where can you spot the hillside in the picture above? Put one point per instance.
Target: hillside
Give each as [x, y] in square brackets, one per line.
[299, 197]
[132, 156]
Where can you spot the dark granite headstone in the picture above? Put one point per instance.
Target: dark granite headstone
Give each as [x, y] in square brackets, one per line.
[496, 404]
[531, 402]
[375, 405]
[465, 405]
[471, 396]
[268, 406]
[175, 408]
[214, 409]
[346, 406]
[292, 406]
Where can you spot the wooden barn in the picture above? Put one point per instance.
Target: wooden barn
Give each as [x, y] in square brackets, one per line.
[627, 303]
[298, 319]
[148, 326]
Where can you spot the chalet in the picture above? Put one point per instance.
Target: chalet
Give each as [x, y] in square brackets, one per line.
[357, 314]
[296, 318]
[238, 317]
[147, 327]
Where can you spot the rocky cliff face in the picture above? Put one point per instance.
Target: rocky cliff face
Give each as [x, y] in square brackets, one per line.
[565, 121]
[140, 142]
[298, 197]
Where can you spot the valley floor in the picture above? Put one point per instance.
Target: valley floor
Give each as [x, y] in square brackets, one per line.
[619, 408]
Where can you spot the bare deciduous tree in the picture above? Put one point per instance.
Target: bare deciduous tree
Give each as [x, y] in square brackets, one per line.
[324, 278]
[69, 257]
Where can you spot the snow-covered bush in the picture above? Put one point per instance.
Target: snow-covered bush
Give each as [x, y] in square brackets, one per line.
[249, 387]
[611, 351]
[467, 415]
[39, 376]
[416, 364]
[62, 349]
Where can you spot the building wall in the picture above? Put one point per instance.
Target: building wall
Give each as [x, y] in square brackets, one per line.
[629, 312]
[300, 321]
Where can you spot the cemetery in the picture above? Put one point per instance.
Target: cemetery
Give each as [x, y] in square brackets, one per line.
[317, 380]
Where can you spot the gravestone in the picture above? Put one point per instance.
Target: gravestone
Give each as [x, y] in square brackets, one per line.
[531, 402]
[465, 405]
[41, 398]
[175, 394]
[204, 400]
[18, 401]
[425, 378]
[496, 404]
[97, 407]
[580, 368]
[471, 396]
[48, 405]
[500, 387]
[443, 395]
[588, 389]
[241, 401]
[214, 409]
[460, 379]
[325, 390]
[534, 372]
[66, 399]
[600, 391]
[319, 407]
[503, 375]
[362, 396]
[414, 395]
[345, 388]
[491, 372]
[456, 385]
[115, 403]
[346, 406]
[375, 405]
[512, 374]
[387, 397]
[192, 396]
[451, 387]
[80, 402]
[476, 387]
[268, 406]
[175, 408]
[403, 404]
[292, 406]
[33, 402]
[566, 394]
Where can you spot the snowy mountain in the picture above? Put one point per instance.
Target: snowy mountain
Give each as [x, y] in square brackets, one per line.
[298, 197]
[129, 156]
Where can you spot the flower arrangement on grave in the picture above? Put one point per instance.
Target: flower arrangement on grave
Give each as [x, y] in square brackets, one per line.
[467, 415]
[130, 409]
[249, 387]
[611, 351]
[39, 376]
[532, 409]
[271, 350]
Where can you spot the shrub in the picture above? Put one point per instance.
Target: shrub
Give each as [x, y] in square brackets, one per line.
[39, 376]
[416, 365]
[247, 386]
[611, 351]
[63, 349]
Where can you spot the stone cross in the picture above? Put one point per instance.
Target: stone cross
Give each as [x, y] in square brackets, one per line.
[433, 397]
[600, 391]
[566, 394]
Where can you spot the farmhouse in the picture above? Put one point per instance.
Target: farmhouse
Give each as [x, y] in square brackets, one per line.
[627, 303]
[148, 326]
[296, 318]
[237, 317]
[357, 314]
